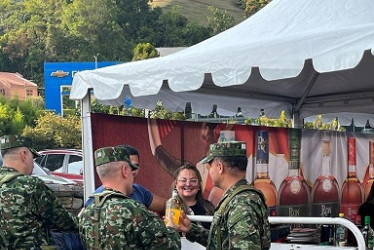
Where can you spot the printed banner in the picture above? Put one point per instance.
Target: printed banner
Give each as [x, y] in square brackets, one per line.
[301, 172]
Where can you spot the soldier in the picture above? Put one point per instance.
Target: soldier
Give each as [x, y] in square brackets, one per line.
[240, 220]
[28, 208]
[139, 193]
[113, 220]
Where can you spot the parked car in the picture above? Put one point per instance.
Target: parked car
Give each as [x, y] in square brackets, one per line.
[69, 193]
[44, 175]
[67, 163]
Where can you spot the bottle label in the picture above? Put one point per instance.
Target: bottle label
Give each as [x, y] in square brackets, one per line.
[174, 213]
[371, 241]
[295, 186]
[325, 209]
[340, 236]
[262, 154]
[349, 210]
[293, 210]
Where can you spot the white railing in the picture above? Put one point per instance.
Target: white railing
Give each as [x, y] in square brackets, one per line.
[304, 220]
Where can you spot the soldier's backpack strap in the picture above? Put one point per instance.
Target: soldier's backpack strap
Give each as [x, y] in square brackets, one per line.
[241, 188]
[8, 177]
[100, 199]
[4, 179]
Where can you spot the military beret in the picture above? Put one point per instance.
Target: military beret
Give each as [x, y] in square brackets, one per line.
[15, 141]
[227, 148]
[113, 154]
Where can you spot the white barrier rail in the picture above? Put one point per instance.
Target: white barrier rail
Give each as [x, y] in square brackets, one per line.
[304, 220]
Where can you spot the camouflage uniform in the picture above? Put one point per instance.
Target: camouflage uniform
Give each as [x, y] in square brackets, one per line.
[244, 222]
[123, 223]
[28, 209]
[126, 223]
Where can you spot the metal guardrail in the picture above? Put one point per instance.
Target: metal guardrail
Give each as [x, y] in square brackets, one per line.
[304, 220]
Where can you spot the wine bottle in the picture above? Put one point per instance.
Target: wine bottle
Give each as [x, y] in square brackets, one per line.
[188, 110]
[173, 208]
[214, 113]
[262, 112]
[262, 180]
[352, 195]
[327, 236]
[341, 234]
[239, 112]
[351, 238]
[368, 233]
[370, 170]
[351, 127]
[367, 129]
[294, 194]
[325, 191]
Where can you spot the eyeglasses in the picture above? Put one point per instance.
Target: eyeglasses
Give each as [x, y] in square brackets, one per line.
[191, 181]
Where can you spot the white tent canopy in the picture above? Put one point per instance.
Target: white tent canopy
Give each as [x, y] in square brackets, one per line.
[307, 57]
[308, 53]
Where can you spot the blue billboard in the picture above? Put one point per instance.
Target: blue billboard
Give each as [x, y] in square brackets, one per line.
[58, 78]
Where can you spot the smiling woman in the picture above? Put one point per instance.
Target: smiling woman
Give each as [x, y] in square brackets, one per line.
[188, 184]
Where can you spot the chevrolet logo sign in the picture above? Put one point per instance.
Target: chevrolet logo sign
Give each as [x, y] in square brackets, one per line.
[59, 73]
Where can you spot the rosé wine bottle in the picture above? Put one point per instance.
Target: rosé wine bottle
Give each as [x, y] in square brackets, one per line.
[262, 180]
[325, 191]
[370, 171]
[352, 195]
[294, 192]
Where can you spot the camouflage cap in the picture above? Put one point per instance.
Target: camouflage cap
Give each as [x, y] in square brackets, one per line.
[113, 154]
[227, 148]
[15, 141]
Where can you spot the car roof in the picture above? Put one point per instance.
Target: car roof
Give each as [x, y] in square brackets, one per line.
[61, 151]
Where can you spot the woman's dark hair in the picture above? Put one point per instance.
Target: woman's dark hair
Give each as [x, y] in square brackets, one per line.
[130, 149]
[208, 206]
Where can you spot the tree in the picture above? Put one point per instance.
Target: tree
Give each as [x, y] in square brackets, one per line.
[144, 51]
[27, 28]
[54, 131]
[252, 6]
[5, 119]
[174, 29]
[15, 114]
[36, 31]
[220, 20]
[18, 122]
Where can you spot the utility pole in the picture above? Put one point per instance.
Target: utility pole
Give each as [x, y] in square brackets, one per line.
[96, 60]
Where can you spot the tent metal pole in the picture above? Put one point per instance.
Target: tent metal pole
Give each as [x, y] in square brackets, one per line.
[87, 148]
[306, 92]
[297, 122]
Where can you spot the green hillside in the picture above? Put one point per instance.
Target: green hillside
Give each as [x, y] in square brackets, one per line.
[198, 9]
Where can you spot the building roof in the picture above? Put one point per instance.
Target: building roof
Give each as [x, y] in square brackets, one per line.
[9, 79]
[164, 51]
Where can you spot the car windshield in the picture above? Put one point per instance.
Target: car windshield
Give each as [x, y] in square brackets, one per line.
[38, 170]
